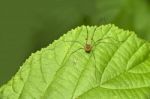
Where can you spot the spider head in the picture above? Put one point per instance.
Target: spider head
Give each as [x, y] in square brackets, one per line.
[88, 48]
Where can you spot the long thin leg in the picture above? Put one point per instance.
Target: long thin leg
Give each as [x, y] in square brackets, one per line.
[74, 42]
[101, 41]
[93, 33]
[94, 58]
[53, 49]
[93, 36]
[76, 51]
[104, 42]
[87, 36]
[95, 66]
[109, 38]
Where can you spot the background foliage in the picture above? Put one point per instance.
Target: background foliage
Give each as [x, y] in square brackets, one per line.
[26, 26]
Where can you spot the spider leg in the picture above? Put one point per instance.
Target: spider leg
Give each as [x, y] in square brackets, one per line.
[106, 43]
[93, 33]
[76, 51]
[95, 66]
[101, 39]
[87, 35]
[54, 52]
[74, 42]
[100, 42]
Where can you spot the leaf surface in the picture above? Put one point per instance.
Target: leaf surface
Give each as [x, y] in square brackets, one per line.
[118, 66]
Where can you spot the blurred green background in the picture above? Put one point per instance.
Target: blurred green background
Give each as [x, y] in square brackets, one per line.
[27, 26]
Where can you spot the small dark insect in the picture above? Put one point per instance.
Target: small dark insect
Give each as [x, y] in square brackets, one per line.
[88, 47]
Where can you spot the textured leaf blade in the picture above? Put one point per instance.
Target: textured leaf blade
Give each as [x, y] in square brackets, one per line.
[118, 66]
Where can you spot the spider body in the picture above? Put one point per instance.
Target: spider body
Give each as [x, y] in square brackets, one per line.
[88, 44]
[88, 48]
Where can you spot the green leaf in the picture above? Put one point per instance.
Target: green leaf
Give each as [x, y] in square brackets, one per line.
[117, 67]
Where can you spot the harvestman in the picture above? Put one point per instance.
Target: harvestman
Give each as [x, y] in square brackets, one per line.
[89, 45]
